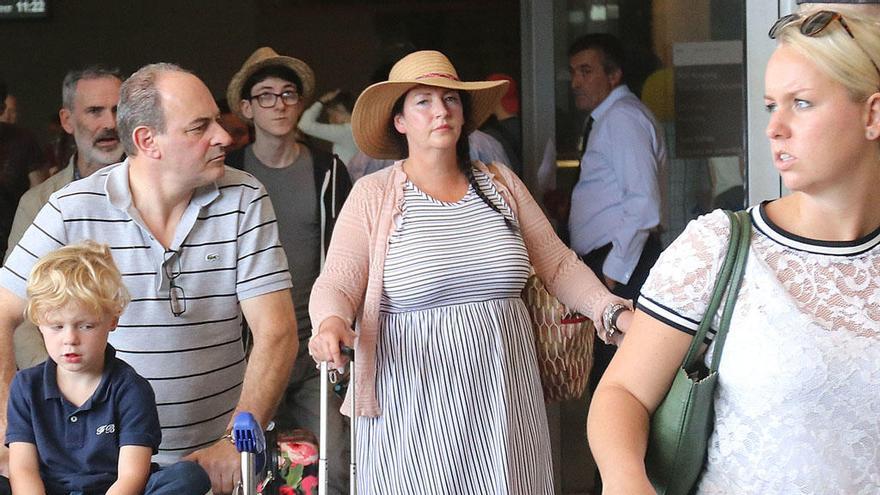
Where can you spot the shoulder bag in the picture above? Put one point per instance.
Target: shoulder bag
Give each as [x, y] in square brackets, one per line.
[682, 424]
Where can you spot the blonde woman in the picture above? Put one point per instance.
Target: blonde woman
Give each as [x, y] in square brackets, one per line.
[797, 403]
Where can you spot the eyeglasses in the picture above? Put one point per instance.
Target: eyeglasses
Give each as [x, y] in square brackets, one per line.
[176, 295]
[268, 100]
[814, 24]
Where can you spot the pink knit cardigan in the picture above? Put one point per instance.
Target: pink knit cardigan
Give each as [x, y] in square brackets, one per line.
[350, 284]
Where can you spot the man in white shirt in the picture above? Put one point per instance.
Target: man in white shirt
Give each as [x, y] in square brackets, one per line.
[615, 205]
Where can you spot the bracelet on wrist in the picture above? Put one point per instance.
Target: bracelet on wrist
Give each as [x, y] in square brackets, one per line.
[228, 436]
[615, 316]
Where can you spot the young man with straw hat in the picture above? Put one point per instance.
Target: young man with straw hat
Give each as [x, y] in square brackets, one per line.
[307, 187]
[429, 260]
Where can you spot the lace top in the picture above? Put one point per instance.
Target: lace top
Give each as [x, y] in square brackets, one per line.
[798, 399]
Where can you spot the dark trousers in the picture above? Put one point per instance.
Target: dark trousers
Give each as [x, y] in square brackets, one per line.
[602, 352]
[180, 478]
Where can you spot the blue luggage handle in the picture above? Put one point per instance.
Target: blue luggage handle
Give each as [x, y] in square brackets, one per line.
[247, 435]
[249, 440]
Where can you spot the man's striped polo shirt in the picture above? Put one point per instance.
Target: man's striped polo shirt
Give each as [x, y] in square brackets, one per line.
[225, 250]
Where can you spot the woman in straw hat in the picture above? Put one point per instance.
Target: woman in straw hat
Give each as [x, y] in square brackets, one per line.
[798, 397]
[429, 258]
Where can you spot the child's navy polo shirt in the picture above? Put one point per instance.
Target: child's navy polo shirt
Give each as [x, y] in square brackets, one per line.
[79, 447]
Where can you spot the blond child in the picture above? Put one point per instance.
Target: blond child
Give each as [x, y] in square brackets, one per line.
[84, 421]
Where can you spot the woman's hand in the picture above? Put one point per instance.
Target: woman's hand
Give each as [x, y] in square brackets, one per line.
[324, 346]
[328, 96]
[614, 339]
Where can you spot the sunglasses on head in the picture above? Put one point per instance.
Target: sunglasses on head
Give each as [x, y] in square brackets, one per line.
[813, 24]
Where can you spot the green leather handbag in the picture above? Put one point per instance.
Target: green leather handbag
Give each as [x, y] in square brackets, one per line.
[683, 422]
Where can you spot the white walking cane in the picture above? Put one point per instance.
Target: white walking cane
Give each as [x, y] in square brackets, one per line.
[322, 448]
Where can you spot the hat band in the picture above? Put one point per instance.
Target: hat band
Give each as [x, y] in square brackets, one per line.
[444, 75]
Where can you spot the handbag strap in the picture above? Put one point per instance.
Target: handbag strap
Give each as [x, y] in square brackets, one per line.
[497, 173]
[739, 268]
[728, 282]
[721, 281]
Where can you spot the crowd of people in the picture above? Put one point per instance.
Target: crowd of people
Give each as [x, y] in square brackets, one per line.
[195, 258]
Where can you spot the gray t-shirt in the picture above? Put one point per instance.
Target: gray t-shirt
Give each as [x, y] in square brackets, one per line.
[292, 191]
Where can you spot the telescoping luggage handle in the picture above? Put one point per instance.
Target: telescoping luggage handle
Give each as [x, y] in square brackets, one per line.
[322, 448]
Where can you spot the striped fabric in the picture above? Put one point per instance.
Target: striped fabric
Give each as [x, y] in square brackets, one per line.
[457, 378]
[225, 250]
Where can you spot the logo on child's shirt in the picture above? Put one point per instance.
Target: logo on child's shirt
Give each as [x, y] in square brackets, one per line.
[111, 428]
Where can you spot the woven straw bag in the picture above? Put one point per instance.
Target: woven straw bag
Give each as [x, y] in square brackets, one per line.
[563, 341]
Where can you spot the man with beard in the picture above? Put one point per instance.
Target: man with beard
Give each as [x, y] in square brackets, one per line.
[89, 98]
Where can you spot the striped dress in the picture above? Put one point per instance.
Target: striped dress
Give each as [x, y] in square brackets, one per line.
[457, 377]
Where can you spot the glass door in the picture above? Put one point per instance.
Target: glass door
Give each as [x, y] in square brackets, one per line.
[685, 61]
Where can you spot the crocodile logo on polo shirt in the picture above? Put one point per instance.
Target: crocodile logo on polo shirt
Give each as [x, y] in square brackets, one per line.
[212, 257]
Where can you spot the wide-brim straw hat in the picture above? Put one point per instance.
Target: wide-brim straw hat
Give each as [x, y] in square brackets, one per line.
[371, 117]
[265, 57]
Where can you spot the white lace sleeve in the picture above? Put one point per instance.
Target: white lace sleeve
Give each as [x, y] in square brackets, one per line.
[680, 284]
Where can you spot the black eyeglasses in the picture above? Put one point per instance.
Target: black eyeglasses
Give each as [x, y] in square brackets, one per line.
[814, 24]
[268, 100]
[176, 295]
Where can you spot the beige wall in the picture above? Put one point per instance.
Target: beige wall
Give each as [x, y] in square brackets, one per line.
[677, 21]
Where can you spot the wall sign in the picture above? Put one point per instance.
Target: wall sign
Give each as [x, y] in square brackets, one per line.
[708, 98]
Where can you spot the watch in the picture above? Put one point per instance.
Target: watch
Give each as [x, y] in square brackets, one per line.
[609, 318]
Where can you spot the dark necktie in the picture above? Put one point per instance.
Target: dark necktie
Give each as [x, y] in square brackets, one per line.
[582, 146]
